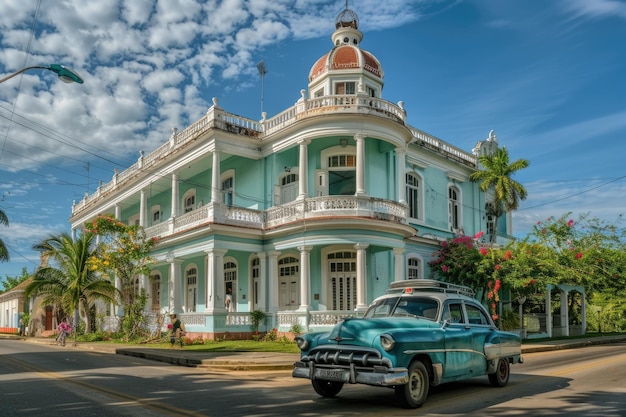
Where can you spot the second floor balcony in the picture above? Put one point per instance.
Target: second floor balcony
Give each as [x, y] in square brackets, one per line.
[317, 208]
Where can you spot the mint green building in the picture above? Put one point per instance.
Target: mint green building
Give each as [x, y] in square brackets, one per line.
[307, 215]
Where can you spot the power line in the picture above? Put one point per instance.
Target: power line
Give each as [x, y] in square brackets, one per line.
[573, 195]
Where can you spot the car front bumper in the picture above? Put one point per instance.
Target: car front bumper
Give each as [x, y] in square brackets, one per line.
[377, 376]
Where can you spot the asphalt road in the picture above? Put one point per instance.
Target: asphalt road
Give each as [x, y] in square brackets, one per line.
[50, 381]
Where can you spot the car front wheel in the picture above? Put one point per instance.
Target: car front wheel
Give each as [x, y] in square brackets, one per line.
[413, 394]
[327, 388]
[501, 376]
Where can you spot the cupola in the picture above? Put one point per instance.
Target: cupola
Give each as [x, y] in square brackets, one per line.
[346, 69]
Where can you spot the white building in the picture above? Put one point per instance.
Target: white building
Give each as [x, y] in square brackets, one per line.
[307, 215]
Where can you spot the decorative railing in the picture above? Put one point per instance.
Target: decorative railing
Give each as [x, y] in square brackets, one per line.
[432, 143]
[238, 319]
[216, 118]
[307, 209]
[336, 206]
[312, 319]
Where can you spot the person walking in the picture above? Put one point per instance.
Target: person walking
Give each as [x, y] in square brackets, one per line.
[176, 330]
[63, 329]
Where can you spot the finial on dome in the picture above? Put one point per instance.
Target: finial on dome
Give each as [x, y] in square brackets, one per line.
[347, 18]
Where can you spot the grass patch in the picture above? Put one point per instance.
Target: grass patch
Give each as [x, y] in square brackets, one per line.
[235, 346]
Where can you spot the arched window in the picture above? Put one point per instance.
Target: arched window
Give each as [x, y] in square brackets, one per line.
[414, 267]
[342, 280]
[189, 200]
[454, 208]
[289, 283]
[191, 281]
[414, 195]
[228, 190]
[230, 284]
[337, 175]
[288, 188]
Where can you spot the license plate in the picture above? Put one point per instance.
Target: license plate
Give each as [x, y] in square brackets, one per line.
[330, 374]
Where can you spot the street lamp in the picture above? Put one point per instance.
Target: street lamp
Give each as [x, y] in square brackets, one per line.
[65, 74]
[262, 71]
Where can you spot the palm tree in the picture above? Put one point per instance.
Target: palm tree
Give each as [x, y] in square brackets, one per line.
[4, 252]
[496, 176]
[71, 284]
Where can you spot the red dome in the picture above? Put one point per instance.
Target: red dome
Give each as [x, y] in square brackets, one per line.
[346, 57]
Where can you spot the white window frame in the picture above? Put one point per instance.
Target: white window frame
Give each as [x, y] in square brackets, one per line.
[189, 195]
[231, 275]
[228, 194]
[349, 88]
[417, 206]
[455, 207]
[414, 266]
[191, 274]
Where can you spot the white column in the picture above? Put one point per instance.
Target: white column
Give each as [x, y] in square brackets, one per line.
[215, 288]
[305, 277]
[118, 212]
[303, 171]
[564, 312]
[360, 164]
[216, 188]
[548, 310]
[361, 275]
[399, 265]
[174, 287]
[174, 195]
[400, 175]
[272, 281]
[142, 209]
[262, 290]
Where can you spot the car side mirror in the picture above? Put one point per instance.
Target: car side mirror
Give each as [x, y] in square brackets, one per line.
[445, 324]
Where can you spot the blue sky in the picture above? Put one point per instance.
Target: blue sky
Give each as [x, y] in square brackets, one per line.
[547, 76]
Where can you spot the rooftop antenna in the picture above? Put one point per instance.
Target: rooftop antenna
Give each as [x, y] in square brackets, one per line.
[262, 71]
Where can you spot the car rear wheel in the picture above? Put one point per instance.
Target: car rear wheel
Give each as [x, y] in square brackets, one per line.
[327, 388]
[413, 394]
[501, 376]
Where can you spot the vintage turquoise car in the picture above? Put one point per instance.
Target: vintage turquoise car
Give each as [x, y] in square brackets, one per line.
[420, 333]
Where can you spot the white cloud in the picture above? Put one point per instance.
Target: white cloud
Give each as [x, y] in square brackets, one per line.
[595, 8]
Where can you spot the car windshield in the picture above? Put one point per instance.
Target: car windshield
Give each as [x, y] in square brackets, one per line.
[404, 306]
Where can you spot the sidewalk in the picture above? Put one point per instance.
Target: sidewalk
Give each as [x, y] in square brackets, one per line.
[264, 361]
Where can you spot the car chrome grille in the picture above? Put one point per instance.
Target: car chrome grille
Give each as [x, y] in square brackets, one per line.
[346, 356]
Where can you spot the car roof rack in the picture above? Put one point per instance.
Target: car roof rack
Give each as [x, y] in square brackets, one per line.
[430, 285]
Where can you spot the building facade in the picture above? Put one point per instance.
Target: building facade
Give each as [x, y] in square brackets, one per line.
[307, 215]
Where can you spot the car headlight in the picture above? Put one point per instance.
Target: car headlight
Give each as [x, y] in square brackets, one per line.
[387, 342]
[302, 343]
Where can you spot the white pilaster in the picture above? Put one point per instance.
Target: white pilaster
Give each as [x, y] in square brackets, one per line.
[361, 275]
[262, 290]
[174, 195]
[216, 187]
[305, 277]
[360, 164]
[303, 171]
[400, 175]
[142, 208]
[215, 288]
[272, 283]
[399, 265]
